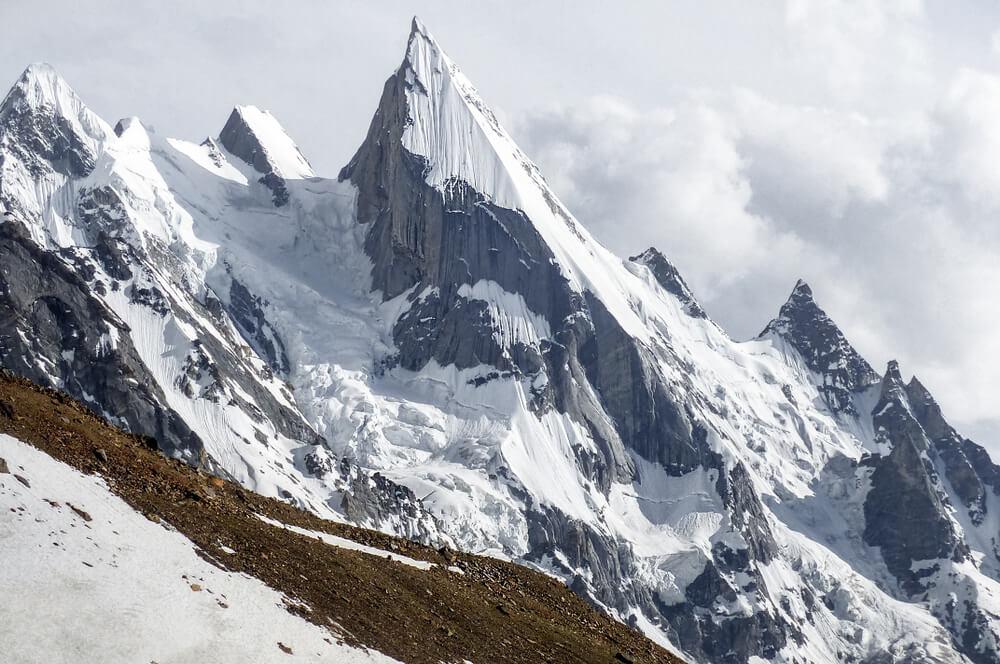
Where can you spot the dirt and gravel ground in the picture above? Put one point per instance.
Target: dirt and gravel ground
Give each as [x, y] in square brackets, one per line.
[491, 611]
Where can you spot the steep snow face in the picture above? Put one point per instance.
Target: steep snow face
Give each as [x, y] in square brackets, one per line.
[454, 130]
[41, 89]
[272, 149]
[96, 581]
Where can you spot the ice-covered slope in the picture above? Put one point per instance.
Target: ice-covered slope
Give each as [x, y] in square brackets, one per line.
[433, 332]
[96, 581]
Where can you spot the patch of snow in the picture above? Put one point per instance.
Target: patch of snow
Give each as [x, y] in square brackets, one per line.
[119, 588]
[344, 543]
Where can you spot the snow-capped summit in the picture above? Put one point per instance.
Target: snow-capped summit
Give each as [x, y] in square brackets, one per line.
[671, 280]
[256, 137]
[825, 349]
[45, 123]
[452, 128]
[41, 86]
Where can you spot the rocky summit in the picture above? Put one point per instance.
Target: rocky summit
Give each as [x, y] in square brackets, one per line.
[431, 345]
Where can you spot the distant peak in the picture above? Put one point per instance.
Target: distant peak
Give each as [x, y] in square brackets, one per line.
[256, 137]
[126, 124]
[41, 85]
[40, 70]
[650, 255]
[801, 295]
[826, 351]
[918, 393]
[917, 386]
[41, 100]
[670, 279]
[893, 387]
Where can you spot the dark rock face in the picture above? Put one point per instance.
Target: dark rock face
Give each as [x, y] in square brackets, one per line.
[966, 465]
[379, 501]
[671, 280]
[432, 243]
[747, 512]
[54, 332]
[39, 136]
[824, 348]
[465, 323]
[610, 563]
[247, 310]
[241, 141]
[904, 512]
[729, 640]
[426, 239]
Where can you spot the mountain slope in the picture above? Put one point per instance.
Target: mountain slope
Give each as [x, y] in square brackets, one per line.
[432, 345]
[109, 533]
[97, 581]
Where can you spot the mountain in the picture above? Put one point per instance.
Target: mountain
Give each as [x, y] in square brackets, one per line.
[432, 345]
[119, 554]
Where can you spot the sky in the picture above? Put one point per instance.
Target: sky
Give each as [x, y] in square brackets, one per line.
[852, 144]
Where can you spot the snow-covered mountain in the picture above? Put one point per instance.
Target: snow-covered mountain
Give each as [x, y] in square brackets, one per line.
[431, 344]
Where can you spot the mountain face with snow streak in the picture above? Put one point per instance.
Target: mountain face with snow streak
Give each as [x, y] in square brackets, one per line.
[433, 345]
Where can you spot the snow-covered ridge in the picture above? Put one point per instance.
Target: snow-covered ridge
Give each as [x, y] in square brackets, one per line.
[280, 151]
[41, 87]
[461, 139]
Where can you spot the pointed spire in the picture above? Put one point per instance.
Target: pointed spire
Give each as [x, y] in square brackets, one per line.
[47, 125]
[435, 112]
[918, 392]
[824, 348]
[801, 290]
[417, 27]
[670, 279]
[257, 138]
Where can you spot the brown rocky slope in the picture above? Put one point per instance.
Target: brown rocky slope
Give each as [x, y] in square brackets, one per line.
[464, 608]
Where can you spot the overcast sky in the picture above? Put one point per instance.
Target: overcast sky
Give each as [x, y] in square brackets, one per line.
[853, 144]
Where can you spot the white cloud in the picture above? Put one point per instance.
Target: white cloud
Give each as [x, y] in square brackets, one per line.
[892, 219]
[858, 47]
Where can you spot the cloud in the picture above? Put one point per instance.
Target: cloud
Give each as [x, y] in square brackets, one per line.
[858, 48]
[675, 176]
[892, 219]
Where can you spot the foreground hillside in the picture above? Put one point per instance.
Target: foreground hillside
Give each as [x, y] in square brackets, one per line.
[118, 554]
